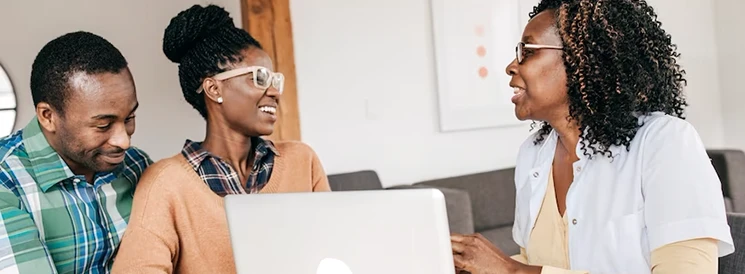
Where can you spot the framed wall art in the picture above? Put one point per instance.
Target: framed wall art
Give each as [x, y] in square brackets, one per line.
[474, 42]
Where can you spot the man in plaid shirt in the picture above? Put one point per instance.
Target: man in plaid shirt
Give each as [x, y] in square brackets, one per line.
[67, 178]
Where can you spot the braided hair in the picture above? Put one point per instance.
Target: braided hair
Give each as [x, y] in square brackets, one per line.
[203, 41]
[620, 63]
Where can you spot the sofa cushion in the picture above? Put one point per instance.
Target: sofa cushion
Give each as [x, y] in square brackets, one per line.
[360, 180]
[492, 196]
[502, 238]
[735, 263]
[458, 206]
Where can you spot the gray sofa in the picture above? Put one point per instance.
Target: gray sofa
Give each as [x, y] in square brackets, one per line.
[492, 197]
[730, 166]
[735, 263]
[485, 202]
[458, 202]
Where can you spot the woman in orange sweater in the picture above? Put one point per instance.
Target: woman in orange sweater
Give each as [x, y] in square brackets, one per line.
[178, 222]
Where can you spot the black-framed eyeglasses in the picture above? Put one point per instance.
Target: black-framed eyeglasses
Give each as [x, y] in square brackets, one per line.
[521, 46]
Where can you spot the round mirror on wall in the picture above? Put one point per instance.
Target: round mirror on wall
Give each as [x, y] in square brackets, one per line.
[7, 104]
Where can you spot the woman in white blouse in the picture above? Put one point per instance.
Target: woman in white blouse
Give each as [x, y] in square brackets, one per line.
[614, 181]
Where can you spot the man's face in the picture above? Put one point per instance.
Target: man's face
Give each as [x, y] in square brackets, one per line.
[94, 132]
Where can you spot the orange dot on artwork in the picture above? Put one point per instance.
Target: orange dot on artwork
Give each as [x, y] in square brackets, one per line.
[483, 72]
[479, 30]
[481, 51]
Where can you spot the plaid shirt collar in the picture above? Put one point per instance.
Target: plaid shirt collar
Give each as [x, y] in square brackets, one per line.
[196, 155]
[222, 178]
[48, 168]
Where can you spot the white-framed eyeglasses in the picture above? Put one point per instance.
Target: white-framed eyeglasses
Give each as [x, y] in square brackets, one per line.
[521, 47]
[263, 78]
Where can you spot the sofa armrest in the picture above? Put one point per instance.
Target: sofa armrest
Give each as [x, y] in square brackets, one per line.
[458, 203]
[730, 167]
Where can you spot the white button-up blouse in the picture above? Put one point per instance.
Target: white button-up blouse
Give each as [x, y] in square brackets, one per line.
[662, 190]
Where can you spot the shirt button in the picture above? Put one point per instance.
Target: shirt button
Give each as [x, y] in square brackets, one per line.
[574, 221]
[535, 174]
[579, 168]
[76, 180]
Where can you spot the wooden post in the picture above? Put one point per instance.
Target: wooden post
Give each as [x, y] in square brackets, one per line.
[269, 22]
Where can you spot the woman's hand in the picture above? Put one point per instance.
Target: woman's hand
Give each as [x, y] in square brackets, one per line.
[475, 254]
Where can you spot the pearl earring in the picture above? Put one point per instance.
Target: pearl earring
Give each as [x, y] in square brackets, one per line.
[219, 100]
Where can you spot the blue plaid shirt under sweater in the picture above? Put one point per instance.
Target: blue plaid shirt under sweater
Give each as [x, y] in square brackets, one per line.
[222, 178]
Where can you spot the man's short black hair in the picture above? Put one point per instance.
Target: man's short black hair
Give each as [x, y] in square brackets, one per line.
[66, 55]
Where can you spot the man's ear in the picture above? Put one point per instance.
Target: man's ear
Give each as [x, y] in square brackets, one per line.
[48, 117]
[211, 89]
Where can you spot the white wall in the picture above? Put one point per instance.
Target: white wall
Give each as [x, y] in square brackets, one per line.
[731, 41]
[368, 100]
[366, 77]
[691, 24]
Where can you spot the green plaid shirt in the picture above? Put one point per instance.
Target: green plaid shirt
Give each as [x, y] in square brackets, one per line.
[53, 221]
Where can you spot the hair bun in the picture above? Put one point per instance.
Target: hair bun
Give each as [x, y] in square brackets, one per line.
[190, 27]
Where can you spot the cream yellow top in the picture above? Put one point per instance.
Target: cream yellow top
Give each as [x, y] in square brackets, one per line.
[548, 246]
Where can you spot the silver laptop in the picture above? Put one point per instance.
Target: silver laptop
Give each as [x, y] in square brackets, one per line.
[346, 232]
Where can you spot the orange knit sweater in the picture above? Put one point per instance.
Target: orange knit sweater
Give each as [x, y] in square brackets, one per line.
[178, 224]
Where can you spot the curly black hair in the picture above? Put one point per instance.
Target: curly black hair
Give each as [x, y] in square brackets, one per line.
[203, 41]
[620, 63]
[66, 55]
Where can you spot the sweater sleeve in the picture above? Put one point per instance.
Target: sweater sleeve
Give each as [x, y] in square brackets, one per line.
[320, 180]
[685, 257]
[142, 251]
[150, 243]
